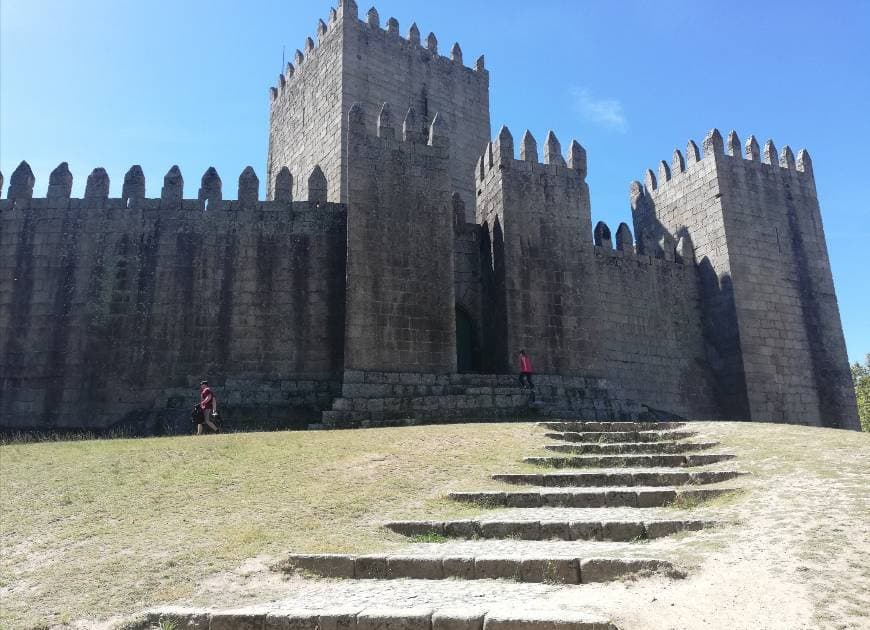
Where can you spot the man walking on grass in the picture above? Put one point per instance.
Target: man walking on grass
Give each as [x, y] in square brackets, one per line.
[208, 405]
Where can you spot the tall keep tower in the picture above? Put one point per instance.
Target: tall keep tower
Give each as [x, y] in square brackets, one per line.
[357, 61]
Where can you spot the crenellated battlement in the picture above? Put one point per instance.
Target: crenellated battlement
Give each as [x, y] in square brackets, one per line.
[385, 128]
[500, 155]
[347, 14]
[666, 249]
[783, 163]
[20, 195]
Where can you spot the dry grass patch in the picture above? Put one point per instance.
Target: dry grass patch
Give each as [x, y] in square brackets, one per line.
[96, 528]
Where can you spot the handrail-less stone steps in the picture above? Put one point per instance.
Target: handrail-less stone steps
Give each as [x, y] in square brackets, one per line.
[371, 618]
[643, 448]
[610, 427]
[618, 461]
[620, 478]
[561, 570]
[621, 436]
[583, 498]
[619, 531]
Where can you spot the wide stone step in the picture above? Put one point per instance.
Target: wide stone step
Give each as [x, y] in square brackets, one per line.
[619, 531]
[561, 570]
[615, 479]
[611, 427]
[371, 618]
[622, 497]
[643, 448]
[619, 461]
[621, 436]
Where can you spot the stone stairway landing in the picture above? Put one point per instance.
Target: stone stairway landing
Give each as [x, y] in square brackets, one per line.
[618, 531]
[619, 461]
[590, 497]
[620, 477]
[624, 437]
[349, 617]
[550, 569]
[610, 427]
[370, 399]
[645, 448]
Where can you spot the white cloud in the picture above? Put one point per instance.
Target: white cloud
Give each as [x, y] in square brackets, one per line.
[606, 112]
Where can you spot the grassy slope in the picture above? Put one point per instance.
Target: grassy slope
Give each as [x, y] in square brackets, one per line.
[101, 527]
[91, 529]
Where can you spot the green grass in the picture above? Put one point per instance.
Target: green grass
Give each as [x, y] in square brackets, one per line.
[95, 528]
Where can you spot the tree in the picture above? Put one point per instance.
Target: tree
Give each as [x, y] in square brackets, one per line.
[861, 378]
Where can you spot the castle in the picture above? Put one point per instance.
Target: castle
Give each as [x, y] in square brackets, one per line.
[402, 260]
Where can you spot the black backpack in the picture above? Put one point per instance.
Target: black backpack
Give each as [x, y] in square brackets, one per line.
[197, 416]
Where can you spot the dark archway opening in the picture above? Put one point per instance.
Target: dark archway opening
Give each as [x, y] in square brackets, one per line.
[467, 347]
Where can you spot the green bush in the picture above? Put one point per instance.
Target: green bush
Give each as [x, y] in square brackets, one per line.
[861, 377]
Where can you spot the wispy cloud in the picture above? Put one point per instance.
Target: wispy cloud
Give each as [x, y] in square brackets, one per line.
[606, 112]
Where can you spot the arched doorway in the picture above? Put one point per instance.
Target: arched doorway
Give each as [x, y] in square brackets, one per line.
[466, 343]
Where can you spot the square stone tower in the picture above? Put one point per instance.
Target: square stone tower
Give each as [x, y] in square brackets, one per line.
[776, 341]
[359, 61]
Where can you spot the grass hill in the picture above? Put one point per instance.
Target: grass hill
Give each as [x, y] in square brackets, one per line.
[94, 530]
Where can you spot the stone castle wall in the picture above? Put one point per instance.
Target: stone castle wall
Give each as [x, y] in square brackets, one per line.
[362, 61]
[535, 214]
[652, 340]
[352, 302]
[765, 271]
[112, 310]
[400, 301]
[306, 113]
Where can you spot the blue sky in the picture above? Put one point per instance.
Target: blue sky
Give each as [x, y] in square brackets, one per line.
[115, 83]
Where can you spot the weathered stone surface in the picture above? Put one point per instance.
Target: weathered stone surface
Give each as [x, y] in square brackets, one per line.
[458, 619]
[326, 565]
[496, 568]
[339, 620]
[394, 619]
[518, 620]
[610, 569]
[730, 268]
[414, 567]
[551, 570]
[458, 567]
[236, 621]
[292, 620]
[370, 567]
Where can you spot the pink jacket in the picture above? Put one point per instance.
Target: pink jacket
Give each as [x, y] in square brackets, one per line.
[525, 364]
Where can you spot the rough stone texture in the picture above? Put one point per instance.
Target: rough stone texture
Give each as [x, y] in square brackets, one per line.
[775, 337]
[110, 316]
[535, 215]
[400, 304]
[456, 255]
[357, 61]
[652, 337]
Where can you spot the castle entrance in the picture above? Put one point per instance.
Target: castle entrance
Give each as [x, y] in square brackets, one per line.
[466, 343]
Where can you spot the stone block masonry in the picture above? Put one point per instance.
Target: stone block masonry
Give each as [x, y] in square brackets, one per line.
[768, 295]
[418, 259]
[363, 61]
[112, 309]
[400, 302]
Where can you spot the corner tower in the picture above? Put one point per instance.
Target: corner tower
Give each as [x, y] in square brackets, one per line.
[773, 324]
[361, 61]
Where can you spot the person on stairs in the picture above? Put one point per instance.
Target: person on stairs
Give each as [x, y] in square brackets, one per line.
[208, 404]
[526, 374]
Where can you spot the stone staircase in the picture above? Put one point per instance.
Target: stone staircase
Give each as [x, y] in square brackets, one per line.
[580, 520]
[377, 399]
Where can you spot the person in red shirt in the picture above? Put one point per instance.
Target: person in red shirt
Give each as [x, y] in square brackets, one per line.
[526, 374]
[208, 404]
